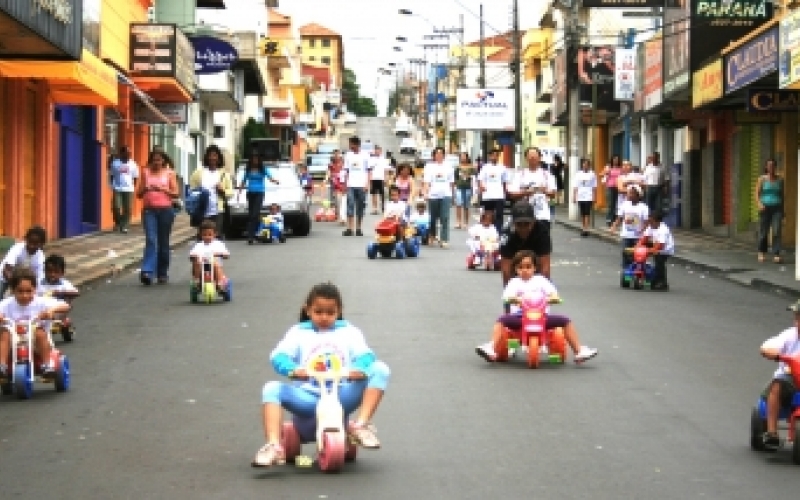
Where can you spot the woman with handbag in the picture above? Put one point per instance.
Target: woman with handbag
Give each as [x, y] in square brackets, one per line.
[213, 178]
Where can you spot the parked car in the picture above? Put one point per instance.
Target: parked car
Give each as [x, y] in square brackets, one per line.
[317, 164]
[288, 194]
[408, 146]
[349, 119]
[402, 127]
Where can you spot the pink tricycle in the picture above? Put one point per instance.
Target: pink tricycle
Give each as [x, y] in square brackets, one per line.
[533, 334]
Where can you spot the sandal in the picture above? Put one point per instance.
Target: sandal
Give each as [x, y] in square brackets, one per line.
[364, 435]
[269, 455]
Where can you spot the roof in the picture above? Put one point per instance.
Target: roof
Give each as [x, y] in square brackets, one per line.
[502, 40]
[503, 55]
[275, 17]
[314, 29]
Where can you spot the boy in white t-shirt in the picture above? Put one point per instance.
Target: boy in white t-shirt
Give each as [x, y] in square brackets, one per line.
[209, 244]
[658, 236]
[781, 390]
[421, 220]
[24, 254]
[483, 242]
[632, 215]
[583, 194]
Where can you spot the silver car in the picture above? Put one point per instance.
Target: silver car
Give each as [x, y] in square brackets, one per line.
[288, 194]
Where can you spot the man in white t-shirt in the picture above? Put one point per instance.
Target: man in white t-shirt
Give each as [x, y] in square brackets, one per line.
[378, 184]
[358, 176]
[662, 245]
[123, 171]
[491, 180]
[583, 194]
[652, 184]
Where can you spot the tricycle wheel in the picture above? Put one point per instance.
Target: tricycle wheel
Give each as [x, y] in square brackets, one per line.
[290, 440]
[385, 252]
[757, 429]
[533, 351]
[209, 292]
[372, 251]
[23, 385]
[352, 451]
[501, 346]
[62, 374]
[623, 283]
[638, 283]
[400, 250]
[331, 456]
[558, 344]
[67, 333]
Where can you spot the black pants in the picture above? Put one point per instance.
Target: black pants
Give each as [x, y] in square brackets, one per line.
[660, 269]
[254, 203]
[496, 207]
[376, 187]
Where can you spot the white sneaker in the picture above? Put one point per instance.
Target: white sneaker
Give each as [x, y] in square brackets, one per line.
[585, 354]
[486, 351]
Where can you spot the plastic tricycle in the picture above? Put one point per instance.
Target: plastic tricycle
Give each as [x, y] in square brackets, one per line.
[326, 213]
[533, 336]
[488, 256]
[206, 287]
[62, 326]
[791, 415]
[639, 272]
[387, 243]
[328, 429]
[25, 364]
[270, 231]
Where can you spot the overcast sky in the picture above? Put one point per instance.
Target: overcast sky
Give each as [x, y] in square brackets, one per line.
[370, 27]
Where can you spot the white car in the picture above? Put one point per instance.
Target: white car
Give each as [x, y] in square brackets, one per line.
[408, 146]
[402, 128]
[349, 119]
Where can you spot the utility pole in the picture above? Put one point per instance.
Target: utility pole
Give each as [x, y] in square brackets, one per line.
[482, 84]
[578, 22]
[517, 89]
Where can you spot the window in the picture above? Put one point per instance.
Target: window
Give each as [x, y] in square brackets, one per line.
[326, 60]
[312, 43]
[326, 43]
[91, 26]
[219, 132]
[312, 58]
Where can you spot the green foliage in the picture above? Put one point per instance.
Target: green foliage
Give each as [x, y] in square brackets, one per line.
[351, 95]
[251, 130]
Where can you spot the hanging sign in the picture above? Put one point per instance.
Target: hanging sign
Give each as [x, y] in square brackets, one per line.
[212, 55]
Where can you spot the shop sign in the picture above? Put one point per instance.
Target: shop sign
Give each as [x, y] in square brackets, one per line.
[773, 100]
[212, 55]
[752, 61]
[625, 74]
[596, 72]
[675, 52]
[558, 104]
[162, 50]
[177, 113]
[707, 84]
[485, 109]
[653, 71]
[789, 50]
[733, 11]
[280, 117]
[59, 22]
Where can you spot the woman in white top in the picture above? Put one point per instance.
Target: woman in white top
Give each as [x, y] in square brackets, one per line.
[437, 186]
[218, 183]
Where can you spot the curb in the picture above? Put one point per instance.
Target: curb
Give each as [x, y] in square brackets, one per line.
[755, 283]
[100, 273]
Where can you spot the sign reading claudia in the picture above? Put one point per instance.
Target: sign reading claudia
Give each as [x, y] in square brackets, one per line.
[789, 63]
[707, 84]
[752, 61]
[773, 100]
[212, 55]
[485, 109]
[162, 50]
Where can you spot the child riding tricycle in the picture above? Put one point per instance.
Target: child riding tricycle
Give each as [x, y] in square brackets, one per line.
[393, 235]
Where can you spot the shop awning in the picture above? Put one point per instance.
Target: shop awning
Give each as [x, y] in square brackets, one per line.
[218, 100]
[144, 98]
[162, 88]
[88, 82]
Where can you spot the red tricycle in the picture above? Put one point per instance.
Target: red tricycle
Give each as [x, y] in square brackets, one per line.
[533, 334]
[390, 239]
[639, 272]
[25, 364]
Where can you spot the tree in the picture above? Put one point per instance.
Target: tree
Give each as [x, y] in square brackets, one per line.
[391, 108]
[351, 95]
[251, 130]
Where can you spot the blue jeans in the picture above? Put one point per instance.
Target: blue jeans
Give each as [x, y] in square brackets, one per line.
[302, 402]
[356, 202]
[463, 197]
[770, 218]
[439, 210]
[157, 228]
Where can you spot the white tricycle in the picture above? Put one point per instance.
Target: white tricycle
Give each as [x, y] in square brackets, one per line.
[206, 288]
[25, 364]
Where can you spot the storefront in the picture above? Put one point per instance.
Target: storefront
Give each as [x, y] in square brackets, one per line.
[51, 78]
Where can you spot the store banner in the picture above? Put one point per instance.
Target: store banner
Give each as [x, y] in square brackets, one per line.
[625, 74]
[653, 74]
[752, 61]
[707, 84]
[485, 109]
[595, 68]
[789, 64]
[764, 100]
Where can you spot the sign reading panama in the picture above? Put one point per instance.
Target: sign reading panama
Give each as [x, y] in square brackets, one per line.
[485, 109]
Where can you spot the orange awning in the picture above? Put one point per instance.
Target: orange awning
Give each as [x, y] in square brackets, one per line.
[162, 88]
[88, 82]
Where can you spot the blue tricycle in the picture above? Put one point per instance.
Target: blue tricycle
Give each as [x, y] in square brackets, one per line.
[790, 414]
[638, 272]
[270, 230]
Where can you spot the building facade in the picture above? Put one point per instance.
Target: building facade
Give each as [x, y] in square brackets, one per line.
[322, 48]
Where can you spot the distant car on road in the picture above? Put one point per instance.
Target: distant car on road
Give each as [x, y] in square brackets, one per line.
[368, 146]
[402, 127]
[408, 146]
[317, 164]
[350, 119]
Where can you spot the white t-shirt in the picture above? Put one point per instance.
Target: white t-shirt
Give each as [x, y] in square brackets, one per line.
[277, 219]
[586, 182]
[123, 175]
[662, 235]
[420, 218]
[209, 181]
[216, 247]
[395, 209]
[536, 179]
[11, 309]
[379, 167]
[440, 177]
[518, 288]
[358, 166]
[633, 178]
[633, 219]
[63, 285]
[786, 342]
[492, 177]
[652, 175]
[18, 256]
[482, 233]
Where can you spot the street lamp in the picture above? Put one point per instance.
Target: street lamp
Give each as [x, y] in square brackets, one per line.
[401, 39]
[398, 49]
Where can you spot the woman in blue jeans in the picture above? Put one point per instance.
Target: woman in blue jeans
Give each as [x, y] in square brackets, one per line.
[157, 190]
[438, 184]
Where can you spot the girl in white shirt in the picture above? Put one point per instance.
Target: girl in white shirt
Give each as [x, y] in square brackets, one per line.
[632, 215]
[528, 283]
[483, 242]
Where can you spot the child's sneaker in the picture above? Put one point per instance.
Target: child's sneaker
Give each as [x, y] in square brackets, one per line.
[585, 354]
[486, 351]
[364, 435]
[269, 455]
[771, 441]
[47, 370]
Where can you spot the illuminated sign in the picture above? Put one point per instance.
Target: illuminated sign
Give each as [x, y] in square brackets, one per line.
[773, 100]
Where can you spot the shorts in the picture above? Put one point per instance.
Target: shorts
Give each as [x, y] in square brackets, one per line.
[376, 187]
[542, 244]
[787, 390]
[463, 197]
[514, 321]
[585, 208]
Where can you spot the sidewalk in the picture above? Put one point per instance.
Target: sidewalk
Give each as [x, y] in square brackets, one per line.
[99, 255]
[731, 260]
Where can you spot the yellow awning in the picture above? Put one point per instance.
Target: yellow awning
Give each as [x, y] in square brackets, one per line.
[299, 94]
[88, 82]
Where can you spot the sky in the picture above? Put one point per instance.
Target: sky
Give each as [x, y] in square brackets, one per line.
[369, 28]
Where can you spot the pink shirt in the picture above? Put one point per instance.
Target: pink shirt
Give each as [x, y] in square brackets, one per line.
[611, 178]
[157, 199]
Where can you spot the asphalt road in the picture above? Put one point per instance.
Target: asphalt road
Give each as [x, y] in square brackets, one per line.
[166, 394]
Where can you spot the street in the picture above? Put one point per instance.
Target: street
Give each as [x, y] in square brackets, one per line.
[166, 394]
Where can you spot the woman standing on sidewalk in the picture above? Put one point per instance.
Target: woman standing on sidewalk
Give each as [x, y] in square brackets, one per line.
[218, 183]
[465, 177]
[158, 189]
[769, 197]
[437, 187]
[610, 178]
[253, 179]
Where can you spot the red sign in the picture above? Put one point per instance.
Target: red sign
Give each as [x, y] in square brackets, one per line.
[280, 117]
